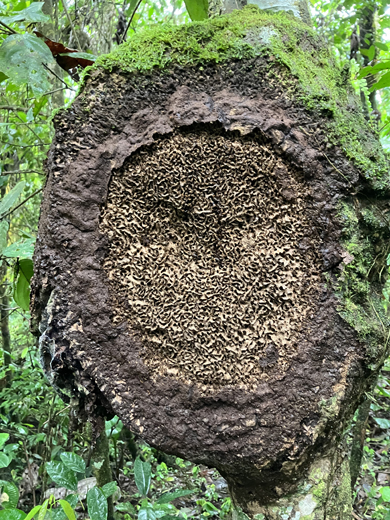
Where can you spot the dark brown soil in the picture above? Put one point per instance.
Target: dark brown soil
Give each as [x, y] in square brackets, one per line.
[247, 432]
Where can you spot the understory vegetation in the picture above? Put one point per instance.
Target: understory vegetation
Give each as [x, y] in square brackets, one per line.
[51, 466]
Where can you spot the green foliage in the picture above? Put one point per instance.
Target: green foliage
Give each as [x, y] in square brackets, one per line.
[142, 476]
[197, 9]
[23, 273]
[11, 198]
[22, 57]
[32, 13]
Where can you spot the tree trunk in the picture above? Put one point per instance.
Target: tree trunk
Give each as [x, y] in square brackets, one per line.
[209, 251]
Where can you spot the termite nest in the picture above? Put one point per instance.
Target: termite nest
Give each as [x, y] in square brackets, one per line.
[213, 257]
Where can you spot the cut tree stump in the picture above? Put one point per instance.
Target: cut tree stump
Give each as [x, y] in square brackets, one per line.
[211, 254]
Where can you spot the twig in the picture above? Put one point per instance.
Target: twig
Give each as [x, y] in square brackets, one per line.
[57, 76]
[29, 127]
[21, 204]
[71, 24]
[30, 472]
[48, 93]
[356, 516]
[4, 174]
[123, 39]
[15, 109]
[58, 413]
[27, 145]
[7, 27]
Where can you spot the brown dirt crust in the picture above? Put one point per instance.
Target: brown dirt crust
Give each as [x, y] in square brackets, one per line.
[206, 260]
[260, 437]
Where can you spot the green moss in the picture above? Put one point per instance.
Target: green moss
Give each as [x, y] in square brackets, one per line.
[358, 288]
[311, 75]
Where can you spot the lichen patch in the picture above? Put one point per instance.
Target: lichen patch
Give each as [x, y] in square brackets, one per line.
[213, 259]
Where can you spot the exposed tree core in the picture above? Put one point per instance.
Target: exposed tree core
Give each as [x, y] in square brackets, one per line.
[212, 258]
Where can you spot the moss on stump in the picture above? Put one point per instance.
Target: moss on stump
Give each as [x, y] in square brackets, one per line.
[211, 254]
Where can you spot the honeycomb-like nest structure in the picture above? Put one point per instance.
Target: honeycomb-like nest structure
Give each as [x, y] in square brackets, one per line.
[212, 260]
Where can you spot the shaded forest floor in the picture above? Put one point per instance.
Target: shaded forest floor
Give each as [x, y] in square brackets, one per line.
[41, 428]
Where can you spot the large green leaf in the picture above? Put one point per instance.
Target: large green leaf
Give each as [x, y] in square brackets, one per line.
[20, 249]
[73, 461]
[68, 510]
[3, 439]
[97, 504]
[385, 492]
[142, 475]
[32, 513]
[21, 58]
[4, 460]
[147, 513]
[168, 497]
[10, 199]
[62, 475]
[109, 489]
[197, 9]
[32, 13]
[21, 295]
[383, 82]
[12, 492]
[383, 423]
[12, 514]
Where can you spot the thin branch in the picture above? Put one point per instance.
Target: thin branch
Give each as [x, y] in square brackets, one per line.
[7, 27]
[16, 109]
[57, 76]
[48, 93]
[27, 145]
[123, 39]
[14, 172]
[21, 204]
[71, 24]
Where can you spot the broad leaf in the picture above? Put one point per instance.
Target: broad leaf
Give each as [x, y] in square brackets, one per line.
[142, 475]
[197, 9]
[168, 497]
[21, 294]
[68, 510]
[62, 475]
[12, 492]
[383, 423]
[21, 58]
[385, 492]
[3, 439]
[147, 513]
[32, 13]
[4, 460]
[97, 504]
[382, 83]
[11, 198]
[43, 510]
[20, 249]
[109, 489]
[73, 461]
[126, 507]
[12, 514]
[33, 512]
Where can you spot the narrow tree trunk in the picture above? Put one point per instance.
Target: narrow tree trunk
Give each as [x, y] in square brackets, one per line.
[4, 315]
[101, 463]
[366, 17]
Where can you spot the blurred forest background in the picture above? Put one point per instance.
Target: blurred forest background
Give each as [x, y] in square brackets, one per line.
[42, 444]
